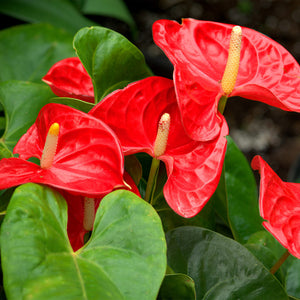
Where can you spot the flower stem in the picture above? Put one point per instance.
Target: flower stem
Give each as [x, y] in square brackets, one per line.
[151, 184]
[88, 213]
[280, 261]
[222, 104]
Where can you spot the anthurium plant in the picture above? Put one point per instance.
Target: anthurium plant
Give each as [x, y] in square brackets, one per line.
[119, 184]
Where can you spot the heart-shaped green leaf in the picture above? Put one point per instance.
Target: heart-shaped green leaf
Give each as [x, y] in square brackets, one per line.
[22, 102]
[125, 257]
[221, 268]
[110, 59]
[242, 197]
[27, 52]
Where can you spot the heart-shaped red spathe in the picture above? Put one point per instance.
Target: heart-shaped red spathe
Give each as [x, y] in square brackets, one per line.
[68, 78]
[193, 167]
[279, 205]
[88, 160]
[199, 51]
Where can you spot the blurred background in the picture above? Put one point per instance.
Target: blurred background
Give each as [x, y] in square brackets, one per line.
[255, 127]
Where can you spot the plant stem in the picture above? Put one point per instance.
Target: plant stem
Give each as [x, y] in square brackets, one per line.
[89, 213]
[222, 104]
[151, 184]
[280, 261]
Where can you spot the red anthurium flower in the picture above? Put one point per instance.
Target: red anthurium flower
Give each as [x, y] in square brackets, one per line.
[280, 206]
[137, 113]
[68, 78]
[76, 211]
[257, 68]
[81, 154]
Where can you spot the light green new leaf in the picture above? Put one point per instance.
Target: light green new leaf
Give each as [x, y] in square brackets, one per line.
[110, 59]
[221, 268]
[125, 257]
[27, 52]
[22, 102]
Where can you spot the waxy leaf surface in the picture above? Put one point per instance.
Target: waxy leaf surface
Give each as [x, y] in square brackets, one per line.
[199, 51]
[27, 52]
[241, 192]
[22, 102]
[110, 59]
[127, 246]
[193, 167]
[221, 268]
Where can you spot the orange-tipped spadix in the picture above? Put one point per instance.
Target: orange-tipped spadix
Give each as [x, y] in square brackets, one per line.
[233, 61]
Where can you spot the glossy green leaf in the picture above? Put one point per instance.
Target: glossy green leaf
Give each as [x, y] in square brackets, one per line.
[242, 196]
[125, 257]
[266, 249]
[27, 52]
[292, 280]
[220, 200]
[266, 239]
[111, 8]
[60, 13]
[110, 59]
[221, 268]
[22, 102]
[75, 103]
[4, 151]
[177, 286]
[171, 220]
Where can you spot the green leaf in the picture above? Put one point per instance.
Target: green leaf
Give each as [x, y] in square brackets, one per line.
[4, 152]
[27, 52]
[177, 286]
[267, 249]
[266, 239]
[221, 268]
[75, 103]
[220, 200]
[242, 197]
[292, 280]
[111, 8]
[60, 13]
[124, 259]
[110, 59]
[22, 102]
[171, 220]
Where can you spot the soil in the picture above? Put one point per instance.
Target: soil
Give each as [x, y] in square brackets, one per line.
[256, 128]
